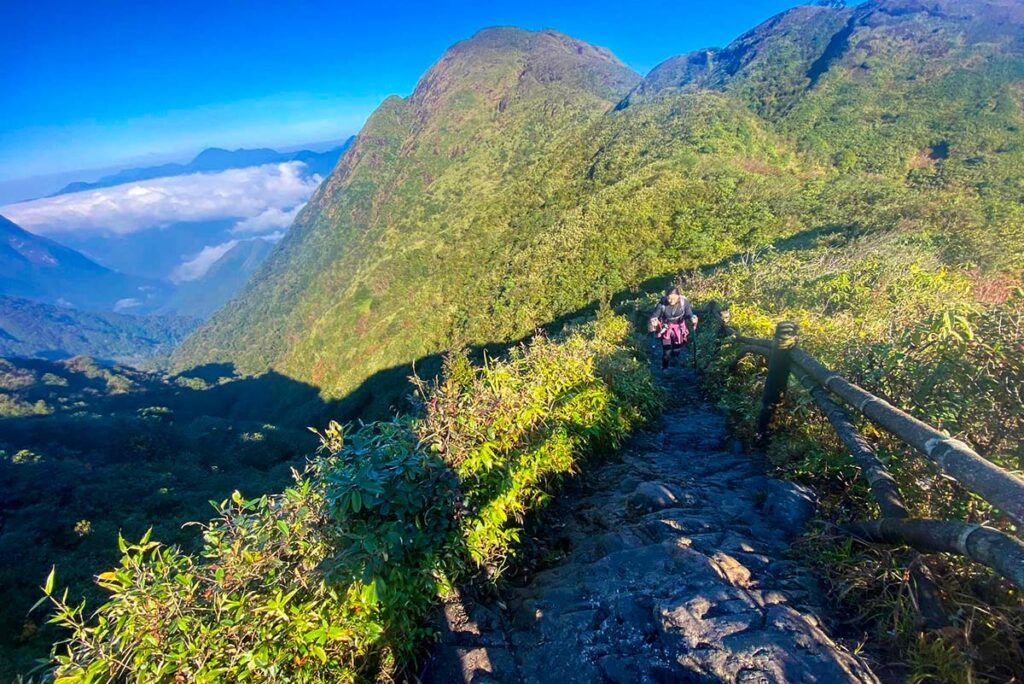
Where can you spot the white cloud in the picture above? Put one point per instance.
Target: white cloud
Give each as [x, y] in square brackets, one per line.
[197, 266]
[128, 303]
[272, 218]
[262, 197]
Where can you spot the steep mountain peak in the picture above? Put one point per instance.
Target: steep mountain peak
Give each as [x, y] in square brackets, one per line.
[502, 61]
[483, 115]
[504, 192]
[512, 38]
[801, 32]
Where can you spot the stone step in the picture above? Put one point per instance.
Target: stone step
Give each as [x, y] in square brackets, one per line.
[675, 569]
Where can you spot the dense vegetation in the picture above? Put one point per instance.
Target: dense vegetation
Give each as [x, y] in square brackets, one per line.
[857, 170]
[29, 328]
[530, 174]
[87, 451]
[943, 339]
[330, 580]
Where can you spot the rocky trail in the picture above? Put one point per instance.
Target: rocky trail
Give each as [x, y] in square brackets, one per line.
[675, 569]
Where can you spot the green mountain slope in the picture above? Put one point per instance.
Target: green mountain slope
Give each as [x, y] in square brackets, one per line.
[404, 204]
[38, 268]
[530, 174]
[30, 328]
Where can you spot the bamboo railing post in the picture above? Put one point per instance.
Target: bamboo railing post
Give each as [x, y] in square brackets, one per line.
[1001, 488]
[724, 316]
[984, 545]
[886, 494]
[881, 484]
[779, 365]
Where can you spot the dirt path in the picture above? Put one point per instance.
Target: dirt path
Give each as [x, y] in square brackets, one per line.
[675, 570]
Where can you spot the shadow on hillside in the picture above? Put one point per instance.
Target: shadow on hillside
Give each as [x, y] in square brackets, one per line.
[388, 391]
[276, 398]
[210, 372]
[272, 397]
[100, 436]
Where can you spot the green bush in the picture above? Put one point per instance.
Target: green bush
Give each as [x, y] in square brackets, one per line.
[331, 579]
[511, 428]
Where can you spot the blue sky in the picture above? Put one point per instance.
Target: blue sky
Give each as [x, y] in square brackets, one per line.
[101, 83]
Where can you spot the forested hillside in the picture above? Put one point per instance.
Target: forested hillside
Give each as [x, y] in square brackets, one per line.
[530, 174]
[89, 451]
[859, 171]
[29, 328]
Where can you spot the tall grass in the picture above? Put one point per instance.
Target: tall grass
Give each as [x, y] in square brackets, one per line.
[946, 344]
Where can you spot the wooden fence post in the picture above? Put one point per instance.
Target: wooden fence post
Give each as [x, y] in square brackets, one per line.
[779, 364]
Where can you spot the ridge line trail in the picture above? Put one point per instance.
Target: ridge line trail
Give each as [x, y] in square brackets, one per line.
[675, 569]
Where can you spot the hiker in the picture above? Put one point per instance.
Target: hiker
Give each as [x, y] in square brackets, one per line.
[668, 322]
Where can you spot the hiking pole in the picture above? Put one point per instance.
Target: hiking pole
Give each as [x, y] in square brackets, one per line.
[694, 346]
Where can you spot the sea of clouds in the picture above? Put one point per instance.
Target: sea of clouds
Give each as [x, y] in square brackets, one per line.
[264, 199]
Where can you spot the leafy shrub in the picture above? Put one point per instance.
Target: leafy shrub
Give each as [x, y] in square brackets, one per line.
[153, 457]
[331, 579]
[510, 429]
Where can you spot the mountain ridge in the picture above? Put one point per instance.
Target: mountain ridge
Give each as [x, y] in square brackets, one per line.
[56, 301]
[496, 73]
[32, 329]
[527, 176]
[213, 159]
[36, 267]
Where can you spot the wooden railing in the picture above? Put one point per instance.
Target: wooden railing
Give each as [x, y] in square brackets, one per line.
[837, 398]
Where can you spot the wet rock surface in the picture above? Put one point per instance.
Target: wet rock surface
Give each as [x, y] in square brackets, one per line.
[675, 570]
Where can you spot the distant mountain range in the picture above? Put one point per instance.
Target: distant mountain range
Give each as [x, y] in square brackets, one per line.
[115, 296]
[56, 302]
[215, 159]
[32, 328]
[37, 268]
